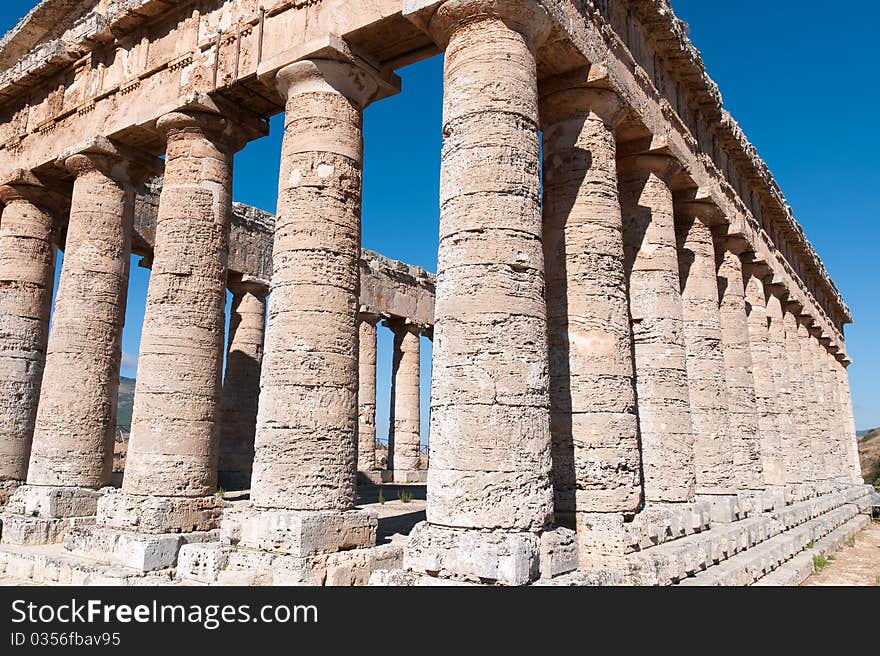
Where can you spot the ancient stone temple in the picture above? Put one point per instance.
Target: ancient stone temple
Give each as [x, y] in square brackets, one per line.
[638, 361]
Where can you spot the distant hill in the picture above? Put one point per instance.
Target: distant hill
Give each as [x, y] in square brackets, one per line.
[869, 454]
[126, 401]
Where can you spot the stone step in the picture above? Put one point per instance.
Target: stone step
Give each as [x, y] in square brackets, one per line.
[796, 570]
[52, 565]
[751, 564]
[677, 559]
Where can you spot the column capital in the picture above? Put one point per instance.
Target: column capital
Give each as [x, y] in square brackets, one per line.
[574, 95]
[736, 245]
[704, 211]
[633, 167]
[200, 114]
[116, 162]
[245, 284]
[23, 184]
[442, 19]
[367, 315]
[402, 324]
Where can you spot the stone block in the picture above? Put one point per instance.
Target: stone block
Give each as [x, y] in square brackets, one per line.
[481, 556]
[558, 553]
[202, 562]
[149, 514]
[23, 530]
[54, 502]
[303, 533]
[144, 552]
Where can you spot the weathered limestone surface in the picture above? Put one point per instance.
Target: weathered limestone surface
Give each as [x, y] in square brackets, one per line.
[366, 447]
[307, 421]
[403, 434]
[76, 423]
[241, 385]
[782, 404]
[490, 433]
[656, 314]
[713, 466]
[27, 274]
[742, 406]
[173, 447]
[769, 439]
[814, 404]
[854, 470]
[593, 421]
[797, 463]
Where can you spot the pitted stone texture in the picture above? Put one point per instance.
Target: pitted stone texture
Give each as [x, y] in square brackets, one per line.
[223, 564]
[159, 514]
[138, 551]
[822, 441]
[835, 452]
[366, 451]
[814, 403]
[593, 423]
[303, 533]
[307, 421]
[241, 389]
[509, 558]
[34, 531]
[76, 424]
[742, 406]
[27, 275]
[490, 434]
[558, 554]
[782, 401]
[769, 438]
[655, 303]
[713, 466]
[852, 450]
[403, 433]
[797, 468]
[53, 502]
[173, 446]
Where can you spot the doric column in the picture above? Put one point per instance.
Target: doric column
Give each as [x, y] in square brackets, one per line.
[366, 451]
[826, 444]
[403, 429]
[814, 400]
[593, 420]
[173, 451]
[27, 276]
[742, 406]
[713, 464]
[770, 439]
[783, 403]
[241, 384]
[797, 466]
[854, 467]
[76, 424]
[489, 489]
[837, 459]
[656, 314]
[304, 466]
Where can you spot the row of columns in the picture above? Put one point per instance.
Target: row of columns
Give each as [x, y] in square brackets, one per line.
[588, 358]
[404, 427]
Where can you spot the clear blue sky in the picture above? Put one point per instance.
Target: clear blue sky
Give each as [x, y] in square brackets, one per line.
[801, 83]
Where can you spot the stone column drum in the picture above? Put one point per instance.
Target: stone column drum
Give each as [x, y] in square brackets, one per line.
[854, 469]
[742, 409]
[769, 438]
[171, 469]
[72, 453]
[713, 466]
[656, 314]
[403, 431]
[814, 401]
[796, 461]
[304, 467]
[489, 489]
[593, 422]
[366, 446]
[782, 393]
[829, 445]
[241, 385]
[27, 277]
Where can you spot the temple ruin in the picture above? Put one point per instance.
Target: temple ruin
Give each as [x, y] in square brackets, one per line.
[639, 367]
